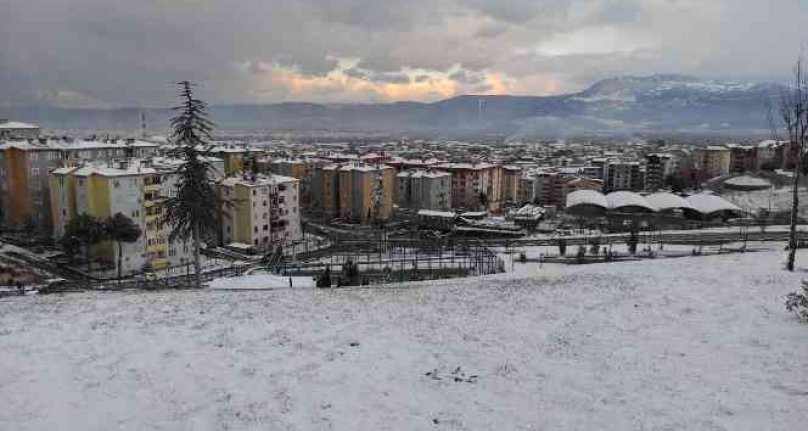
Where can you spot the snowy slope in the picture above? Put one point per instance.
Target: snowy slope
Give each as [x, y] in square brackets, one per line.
[668, 344]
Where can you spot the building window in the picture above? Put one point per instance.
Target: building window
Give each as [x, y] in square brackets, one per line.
[35, 172]
[266, 227]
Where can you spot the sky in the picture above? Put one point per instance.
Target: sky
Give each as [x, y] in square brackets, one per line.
[111, 53]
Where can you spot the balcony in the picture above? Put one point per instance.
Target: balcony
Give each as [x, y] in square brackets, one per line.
[158, 263]
[156, 248]
[152, 219]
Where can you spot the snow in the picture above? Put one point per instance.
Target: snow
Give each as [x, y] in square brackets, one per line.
[17, 125]
[667, 201]
[689, 343]
[709, 204]
[586, 197]
[436, 213]
[773, 199]
[260, 282]
[624, 199]
[745, 181]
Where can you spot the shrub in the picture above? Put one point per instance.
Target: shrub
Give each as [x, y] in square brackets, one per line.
[797, 302]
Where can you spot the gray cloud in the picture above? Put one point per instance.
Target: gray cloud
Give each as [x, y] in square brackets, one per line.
[369, 75]
[114, 53]
[466, 77]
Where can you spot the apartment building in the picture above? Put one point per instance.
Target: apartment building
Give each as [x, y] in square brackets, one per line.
[402, 164]
[262, 211]
[713, 161]
[365, 192]
[742, 158]
[18, 130]
[549, 187]
[25, 165]
[419, 189]
[235, 157]
[624, 175]
[135, 188]
[527, 192]
[510, 184]
[324, 190]
[770, 154]
[657, 169]
[300, 169]
[582, 183]
[475, 185]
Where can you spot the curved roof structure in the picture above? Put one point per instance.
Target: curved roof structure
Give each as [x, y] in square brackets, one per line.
[587, 197]
[708, 204]
[665, 201]
[628, 201]
[746, 182]
[587, 203]
[590, 202]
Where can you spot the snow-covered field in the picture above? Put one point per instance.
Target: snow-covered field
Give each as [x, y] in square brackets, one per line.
[775, 199]
[668, 344]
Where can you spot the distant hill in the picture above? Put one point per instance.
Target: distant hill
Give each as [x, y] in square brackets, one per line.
[652, 104]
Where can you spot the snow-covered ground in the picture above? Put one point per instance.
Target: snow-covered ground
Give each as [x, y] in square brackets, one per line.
[689, 343]
[778, 199]
[260, 281]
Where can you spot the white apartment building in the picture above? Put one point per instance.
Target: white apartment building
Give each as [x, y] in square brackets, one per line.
[419, 189]
[262, 211]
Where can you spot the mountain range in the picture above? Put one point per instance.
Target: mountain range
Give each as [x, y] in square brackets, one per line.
[623, 105]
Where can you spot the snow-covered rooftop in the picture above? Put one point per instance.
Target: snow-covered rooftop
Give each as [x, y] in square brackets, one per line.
[628, 200]
[17, 125]
[75, 144]
[709, 204]
[664, 201]
[261, 180]
[747, 182]
[435, 213]
[587, 197]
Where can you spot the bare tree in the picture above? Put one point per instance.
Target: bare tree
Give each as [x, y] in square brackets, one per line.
[794, 115]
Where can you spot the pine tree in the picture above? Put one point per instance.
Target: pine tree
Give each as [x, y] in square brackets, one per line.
[192, 213]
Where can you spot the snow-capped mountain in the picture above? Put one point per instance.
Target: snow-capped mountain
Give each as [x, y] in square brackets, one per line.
[629, 104]
[678, 103]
